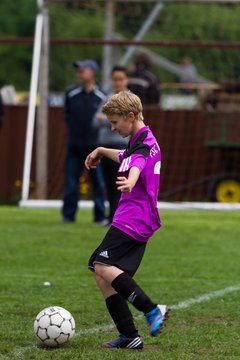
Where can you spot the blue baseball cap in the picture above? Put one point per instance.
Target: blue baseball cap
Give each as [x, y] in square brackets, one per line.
[91, 64]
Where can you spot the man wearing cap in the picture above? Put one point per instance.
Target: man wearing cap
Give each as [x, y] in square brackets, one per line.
[82, 101]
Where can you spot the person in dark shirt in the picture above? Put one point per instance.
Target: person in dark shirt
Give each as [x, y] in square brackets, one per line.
[142, 82]
[82, 101]
[112, 140]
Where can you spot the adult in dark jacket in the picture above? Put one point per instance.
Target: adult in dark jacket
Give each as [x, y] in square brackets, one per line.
[142, 82]
[82, 101]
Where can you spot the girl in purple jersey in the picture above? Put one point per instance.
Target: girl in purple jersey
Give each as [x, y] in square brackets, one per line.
[118, 257]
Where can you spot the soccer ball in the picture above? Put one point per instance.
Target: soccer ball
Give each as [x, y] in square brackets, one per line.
[54, 326]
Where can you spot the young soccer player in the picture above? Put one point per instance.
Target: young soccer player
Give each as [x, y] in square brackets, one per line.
[119, 255]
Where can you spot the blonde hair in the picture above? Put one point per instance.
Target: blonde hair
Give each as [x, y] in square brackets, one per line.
[122, 104]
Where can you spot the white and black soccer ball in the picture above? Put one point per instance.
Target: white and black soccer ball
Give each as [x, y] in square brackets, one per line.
[54, 326]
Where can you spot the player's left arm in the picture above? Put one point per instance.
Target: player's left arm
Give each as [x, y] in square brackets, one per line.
[126, 185]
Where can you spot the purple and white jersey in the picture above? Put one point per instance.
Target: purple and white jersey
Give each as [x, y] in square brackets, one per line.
[137, 212]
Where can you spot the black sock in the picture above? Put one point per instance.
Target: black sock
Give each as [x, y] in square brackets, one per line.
[130, 291]
[121, 315]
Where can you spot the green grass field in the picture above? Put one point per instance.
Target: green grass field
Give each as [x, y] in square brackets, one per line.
[195, 253]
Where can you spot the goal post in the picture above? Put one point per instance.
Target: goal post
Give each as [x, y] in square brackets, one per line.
[32, 106]
[40, 61]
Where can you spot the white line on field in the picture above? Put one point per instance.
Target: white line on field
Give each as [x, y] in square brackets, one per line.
[206, 297]
[20, 351]
[182, 305]
[88, 204]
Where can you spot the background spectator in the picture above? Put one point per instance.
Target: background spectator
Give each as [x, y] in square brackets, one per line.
[81, 104]
[189, 73]
[112, 140]
[143, 82]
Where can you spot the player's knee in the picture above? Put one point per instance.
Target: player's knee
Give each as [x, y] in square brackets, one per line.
[100, 270]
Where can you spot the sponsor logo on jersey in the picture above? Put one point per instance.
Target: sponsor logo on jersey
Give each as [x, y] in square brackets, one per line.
[154, 150]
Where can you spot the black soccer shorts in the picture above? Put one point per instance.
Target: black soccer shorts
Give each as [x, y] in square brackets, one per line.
[120, 250]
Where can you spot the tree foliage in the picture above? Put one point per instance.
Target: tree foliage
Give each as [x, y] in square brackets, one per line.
[17, 19]
[175, 22]
[73, 23]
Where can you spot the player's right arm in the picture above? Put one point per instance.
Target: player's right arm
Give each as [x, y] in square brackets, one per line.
[94, 158]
